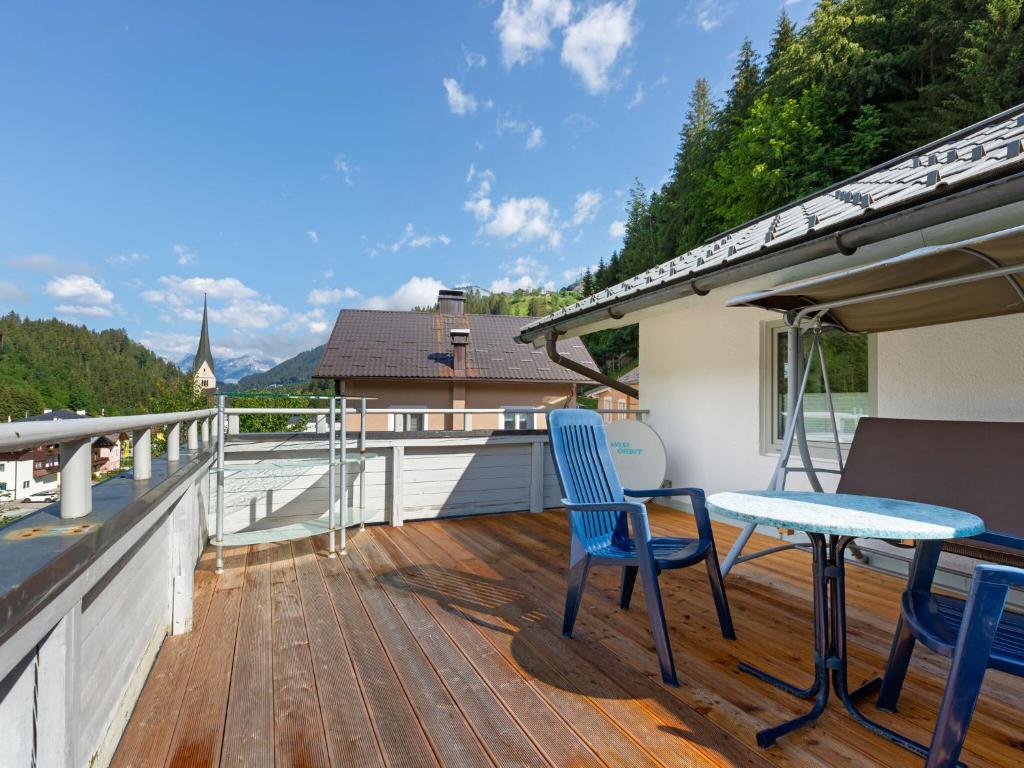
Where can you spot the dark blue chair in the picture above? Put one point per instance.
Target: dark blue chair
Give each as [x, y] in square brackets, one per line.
[976, 633]
[600, 519]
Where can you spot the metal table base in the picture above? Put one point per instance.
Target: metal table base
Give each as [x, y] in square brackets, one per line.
[830, 657]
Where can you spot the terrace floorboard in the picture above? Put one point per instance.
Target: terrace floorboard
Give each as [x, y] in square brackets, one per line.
[439, 643]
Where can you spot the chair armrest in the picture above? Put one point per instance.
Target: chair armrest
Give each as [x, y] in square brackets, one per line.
[636, 510]
[990, 573]
[700, 510]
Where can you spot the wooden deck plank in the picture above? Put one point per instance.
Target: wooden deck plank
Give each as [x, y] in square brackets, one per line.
[199, 731]
[351, 740]
[368, 660]
[299, 735]
[399, 732]
[775, 650]
[249, 725]
[621, 730]
[442, 718]
[501, 707]
[148, 734]
[709, 680]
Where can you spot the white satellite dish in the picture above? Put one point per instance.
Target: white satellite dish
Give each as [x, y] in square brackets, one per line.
[637, 453]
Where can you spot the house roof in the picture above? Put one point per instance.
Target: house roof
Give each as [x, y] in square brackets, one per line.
[203, 354]
[991, 149]
[58, 415]
[630, 377]
[417, 345]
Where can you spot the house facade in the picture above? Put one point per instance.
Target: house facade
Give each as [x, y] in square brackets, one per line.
[609, 399]
[715, 376]
[416, 361]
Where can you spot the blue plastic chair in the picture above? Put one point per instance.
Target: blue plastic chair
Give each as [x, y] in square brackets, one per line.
[600, 519]
[977, 633]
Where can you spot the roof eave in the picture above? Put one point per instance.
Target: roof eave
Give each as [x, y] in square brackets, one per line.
[939, 208]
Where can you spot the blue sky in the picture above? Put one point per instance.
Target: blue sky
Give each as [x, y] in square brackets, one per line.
[293, 158]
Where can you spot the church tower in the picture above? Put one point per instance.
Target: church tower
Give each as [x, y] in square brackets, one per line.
[203, 374]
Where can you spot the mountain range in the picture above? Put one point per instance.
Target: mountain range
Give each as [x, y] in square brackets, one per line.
[233, 369]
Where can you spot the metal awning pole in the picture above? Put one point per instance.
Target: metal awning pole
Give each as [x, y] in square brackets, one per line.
[362, 463]
[344, 467]
[332, 480]
[221, 438]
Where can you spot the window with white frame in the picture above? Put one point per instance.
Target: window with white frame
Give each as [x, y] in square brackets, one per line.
[517, 419]
[408, 418]
[620, 405]
[849, 358]
[606, 404]
[24, 484]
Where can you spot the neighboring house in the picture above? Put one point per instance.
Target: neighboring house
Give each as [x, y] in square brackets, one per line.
[715, 376]
[23, 473]
[609, 399]
[446, 359]
[204, 375]
[106, 454]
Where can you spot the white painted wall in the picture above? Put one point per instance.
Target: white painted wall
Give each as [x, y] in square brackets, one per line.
[972, 370]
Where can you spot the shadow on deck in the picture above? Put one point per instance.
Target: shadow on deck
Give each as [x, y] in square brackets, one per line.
[439, 643]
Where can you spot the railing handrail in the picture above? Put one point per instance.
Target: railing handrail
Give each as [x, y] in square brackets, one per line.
[413, 409]
[32, 434]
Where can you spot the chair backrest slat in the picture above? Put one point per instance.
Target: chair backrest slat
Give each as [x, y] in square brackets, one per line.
[585, 470]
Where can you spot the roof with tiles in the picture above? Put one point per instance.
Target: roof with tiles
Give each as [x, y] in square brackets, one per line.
[417, 345]
[992, 148]
[630, 377]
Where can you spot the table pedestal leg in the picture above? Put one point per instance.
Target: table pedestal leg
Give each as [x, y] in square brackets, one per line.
[830, 660]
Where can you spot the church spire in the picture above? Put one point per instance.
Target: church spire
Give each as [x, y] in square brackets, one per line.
[202, 365]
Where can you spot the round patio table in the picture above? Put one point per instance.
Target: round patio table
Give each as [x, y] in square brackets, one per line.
[832, 521]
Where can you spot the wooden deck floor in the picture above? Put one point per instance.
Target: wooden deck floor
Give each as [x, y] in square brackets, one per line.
[439, 644]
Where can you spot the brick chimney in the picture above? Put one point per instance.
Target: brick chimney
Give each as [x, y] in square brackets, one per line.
[460, 340]
[451, 302]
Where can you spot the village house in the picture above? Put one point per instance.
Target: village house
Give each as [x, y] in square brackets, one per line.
[609, 399]
[415, 361]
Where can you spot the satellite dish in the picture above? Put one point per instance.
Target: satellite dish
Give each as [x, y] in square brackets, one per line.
[637, 453]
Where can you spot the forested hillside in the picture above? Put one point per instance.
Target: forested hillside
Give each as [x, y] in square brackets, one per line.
[861, 82]
[52, 364]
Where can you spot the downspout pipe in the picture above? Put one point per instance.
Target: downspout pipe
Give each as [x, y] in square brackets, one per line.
[551, 338]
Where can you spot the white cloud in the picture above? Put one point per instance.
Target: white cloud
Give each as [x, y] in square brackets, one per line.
[526, 219]
[10, 292]
[313, 236]
[534, 134]
[411, 239]
[572, 275]
[79, 309]
[311, 322]
[184, 255]
[525, 27]
[341, 168]
[593, 43]
[229, 288]
[586, 207]
[460, 102]
[126, 259]
[617, 229]
[479, 202]
[415, 292]
[321, 296]
[709, 14]
[473, 59]
[525, 273]
[244, 313]
[638, 96]
[79, 291]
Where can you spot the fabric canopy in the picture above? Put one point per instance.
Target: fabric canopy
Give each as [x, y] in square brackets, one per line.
[982, 277]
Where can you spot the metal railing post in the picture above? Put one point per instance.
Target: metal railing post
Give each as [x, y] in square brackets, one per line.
[332, 478]
[193, 435]
[344, 468]
[174, 442]
[221, 439]
[75, 478]
[362, 463]
[142, 454]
